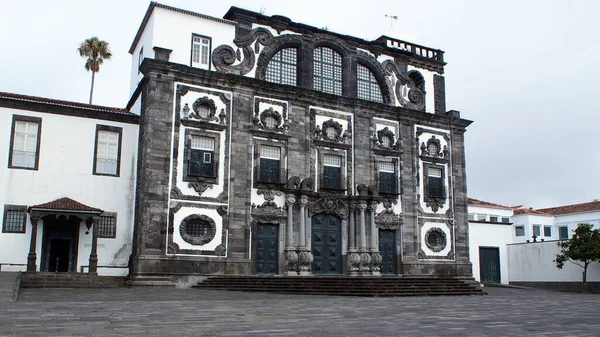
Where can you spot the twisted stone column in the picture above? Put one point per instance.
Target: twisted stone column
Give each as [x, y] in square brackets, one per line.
[376, 259]
[365, 257]
[291, 256]
[32, 256]
[305, 257]
[353, 256]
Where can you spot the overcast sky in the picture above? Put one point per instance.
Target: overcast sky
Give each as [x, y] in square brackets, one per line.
[523, 71]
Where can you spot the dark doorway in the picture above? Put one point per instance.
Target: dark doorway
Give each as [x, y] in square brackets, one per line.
[387, 249]
[267, 249]
[60, 243]
[489, 264]
[326, 244]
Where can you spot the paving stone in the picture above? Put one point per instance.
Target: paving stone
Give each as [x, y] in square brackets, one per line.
[162, 311]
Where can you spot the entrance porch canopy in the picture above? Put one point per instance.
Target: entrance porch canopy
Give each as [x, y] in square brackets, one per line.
[64, 206]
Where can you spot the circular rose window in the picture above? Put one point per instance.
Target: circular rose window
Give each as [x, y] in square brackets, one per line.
[197, 229]
[435, 239]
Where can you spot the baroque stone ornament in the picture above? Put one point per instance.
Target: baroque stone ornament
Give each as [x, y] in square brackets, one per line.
[353, 262]
[197, 229]
[293, 182]
[291, 262]
[330, 130]
[200, 187]
[365, 262]
[330, 206]
[376, 262]
[203, 108]
[224, 56]
[305, 260]
[433, 148]
[269, 196]
[435, 239]
[220, 250]
[407, 92]
[385, 139]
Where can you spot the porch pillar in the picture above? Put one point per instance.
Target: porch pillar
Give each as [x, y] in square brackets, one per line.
[365, 257]
[93, 268]
[353, 256]
[32, 256]
[291, 256]
[376, 259]
[305, 257]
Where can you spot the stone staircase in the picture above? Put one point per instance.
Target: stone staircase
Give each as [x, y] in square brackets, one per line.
[9, 286]
[345, 286]
[70, 280]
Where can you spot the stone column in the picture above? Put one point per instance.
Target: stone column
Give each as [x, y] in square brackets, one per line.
[376, 259]
[291, 256]
[365, 257]
[353, 256]
[32, 256]
[305, 257]
[93, 268]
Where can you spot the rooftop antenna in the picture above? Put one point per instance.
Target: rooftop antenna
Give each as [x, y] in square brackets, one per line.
[262, 10]
[392, 18]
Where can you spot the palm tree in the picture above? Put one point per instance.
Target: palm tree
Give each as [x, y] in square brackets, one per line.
[96, 52]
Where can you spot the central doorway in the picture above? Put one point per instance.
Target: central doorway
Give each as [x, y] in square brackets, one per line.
[60, 243]
[267, 249]
[387, 249]
[326, 244]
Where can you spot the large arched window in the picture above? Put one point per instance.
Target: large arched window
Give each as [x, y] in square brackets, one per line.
[367, 86]
[327, 71]
[282, 67]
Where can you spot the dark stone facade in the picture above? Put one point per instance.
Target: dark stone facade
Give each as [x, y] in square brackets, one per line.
[159, 143]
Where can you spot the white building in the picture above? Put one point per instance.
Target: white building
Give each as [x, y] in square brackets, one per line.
[66, 164]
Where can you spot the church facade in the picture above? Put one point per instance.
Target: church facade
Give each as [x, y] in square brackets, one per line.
[272, 147]
[268, 147]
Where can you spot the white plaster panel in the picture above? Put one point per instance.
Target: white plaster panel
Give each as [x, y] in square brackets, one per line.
[449, 238]
[489, 235]
[211, 213]
[65, 169]
[422, 138]
[146, 42]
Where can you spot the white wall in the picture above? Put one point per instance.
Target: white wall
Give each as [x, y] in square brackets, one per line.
[528, 220]
[572, 220]
[65, 170]
[489, 235]
[535, 262]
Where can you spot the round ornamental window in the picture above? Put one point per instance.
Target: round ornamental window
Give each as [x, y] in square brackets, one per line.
[331, 133]
[270, 122]
[197, 229]
[435, 239]
[386, 142]
[203, 110]
[432, 149]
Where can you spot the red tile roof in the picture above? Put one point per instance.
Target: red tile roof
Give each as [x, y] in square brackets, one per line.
[51, 101]
[66, 204]
[576, 208]
[523, 210]
[476, 202]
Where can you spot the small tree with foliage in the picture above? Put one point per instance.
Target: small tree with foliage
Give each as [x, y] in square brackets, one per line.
[581, 249]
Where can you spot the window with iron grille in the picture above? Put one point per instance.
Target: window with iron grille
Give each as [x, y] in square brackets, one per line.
[200, 51]
[327, 71]
[107, 227]
[388, 181]
[332, 171]
[25, 142]
[107, 150]
[282, 67]
[270, 164]
[367, 85]
[15, 219]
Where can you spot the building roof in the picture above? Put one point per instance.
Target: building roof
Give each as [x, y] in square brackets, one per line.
[36, 99]
[531, 211]
[65, 205]
[576, 208]
[151, 7]
[476, 202]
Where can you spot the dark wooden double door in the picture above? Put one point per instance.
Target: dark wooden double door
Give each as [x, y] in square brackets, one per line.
[489, 264]
[326, 244]
[267, 249]
[387, 249]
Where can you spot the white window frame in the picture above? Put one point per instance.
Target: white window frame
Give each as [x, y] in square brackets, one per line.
[25, 144]
[200, 51]
[107, 150]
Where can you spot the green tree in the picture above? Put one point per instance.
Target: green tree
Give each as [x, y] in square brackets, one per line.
[96, 51]
[581, 249]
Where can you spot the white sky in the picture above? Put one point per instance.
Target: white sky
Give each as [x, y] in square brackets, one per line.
[523, 71]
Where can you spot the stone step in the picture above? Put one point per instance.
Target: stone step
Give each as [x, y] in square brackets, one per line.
[70, 280]
[9, 286]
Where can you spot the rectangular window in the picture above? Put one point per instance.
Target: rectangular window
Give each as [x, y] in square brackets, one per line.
[270, 167]
[388, 181]
[563, 233]
[435, 183]
[107, 227]
[536, 230]
[519, 230]
[493, 218]
[471, 217]
[140, 58]
[15, 219]
[505, 219]
[201, 163]
[25, 142]
[107, 152]
[200, 51]
[547, 231]
[332, 171]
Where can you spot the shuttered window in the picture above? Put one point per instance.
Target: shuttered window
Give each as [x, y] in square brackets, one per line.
[202, 151]
[270, 168]
[435, 183]
[332, 171]
[388, 182]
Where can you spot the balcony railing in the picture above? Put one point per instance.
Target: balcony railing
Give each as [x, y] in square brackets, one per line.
[426, 52]
[268, 177]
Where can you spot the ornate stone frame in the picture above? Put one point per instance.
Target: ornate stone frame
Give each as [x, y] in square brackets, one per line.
[416, 97]
[282, 145]
[203, 181]
[343, 175]
[320, 131]
[437, 225]
[397, 170]
[202, 101]
[441, 236]
[174, 249]
[258, 118]
[387, 219]
[197, 241]
[386, 132]
[434, 202]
